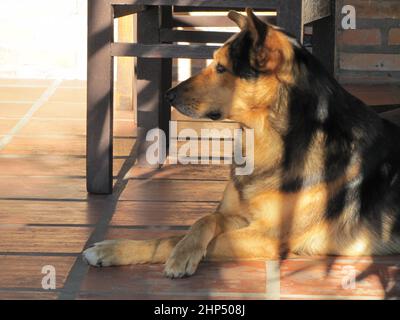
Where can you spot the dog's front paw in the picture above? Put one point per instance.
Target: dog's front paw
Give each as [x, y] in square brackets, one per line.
[183, 261]
[108, 253]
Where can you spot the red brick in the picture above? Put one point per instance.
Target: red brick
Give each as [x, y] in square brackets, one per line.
[373, 9]
[394, 36]
[370, 62]
[362, 37]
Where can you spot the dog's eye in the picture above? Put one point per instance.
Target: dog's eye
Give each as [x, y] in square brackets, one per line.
[220, 68]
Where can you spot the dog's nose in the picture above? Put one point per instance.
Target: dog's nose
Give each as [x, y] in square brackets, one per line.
[170, 95]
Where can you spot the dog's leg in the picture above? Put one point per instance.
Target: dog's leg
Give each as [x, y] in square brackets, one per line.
[184, 252]
[124, 252]
[187, 254]
[243, 244]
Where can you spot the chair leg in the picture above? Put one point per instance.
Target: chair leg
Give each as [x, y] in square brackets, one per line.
[166, 69]
[153, 79]
[99, 98]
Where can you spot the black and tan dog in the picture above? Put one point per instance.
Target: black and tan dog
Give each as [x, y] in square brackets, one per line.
[327, 168]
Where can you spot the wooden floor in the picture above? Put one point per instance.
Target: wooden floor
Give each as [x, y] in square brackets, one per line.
[47, 218]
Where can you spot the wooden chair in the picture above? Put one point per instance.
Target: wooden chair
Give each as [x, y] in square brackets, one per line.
[155, 49]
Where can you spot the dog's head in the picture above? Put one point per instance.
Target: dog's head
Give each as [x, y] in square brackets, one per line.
[244, 77]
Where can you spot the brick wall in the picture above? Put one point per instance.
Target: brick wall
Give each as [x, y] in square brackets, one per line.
[371, 52]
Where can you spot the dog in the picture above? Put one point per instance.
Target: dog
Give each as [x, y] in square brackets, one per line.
[326, 177]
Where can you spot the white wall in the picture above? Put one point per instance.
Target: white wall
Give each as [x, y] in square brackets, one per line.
[43, 39]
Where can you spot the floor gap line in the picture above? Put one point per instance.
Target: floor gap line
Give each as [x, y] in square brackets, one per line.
[5, 140]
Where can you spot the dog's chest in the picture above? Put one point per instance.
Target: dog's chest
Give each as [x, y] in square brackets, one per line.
[278, 209]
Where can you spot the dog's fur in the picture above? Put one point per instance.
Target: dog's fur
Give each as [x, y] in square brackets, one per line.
[327, 168]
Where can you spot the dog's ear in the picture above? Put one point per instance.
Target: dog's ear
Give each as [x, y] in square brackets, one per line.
[267, 53]
[260, 55]
[257, 28]
[239, 19]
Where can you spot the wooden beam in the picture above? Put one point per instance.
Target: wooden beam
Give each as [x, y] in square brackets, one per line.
[211, 21]
[193, 51]
[125, 66]
[212, 9]
[260, 4]
[122, 11]
[168, 35]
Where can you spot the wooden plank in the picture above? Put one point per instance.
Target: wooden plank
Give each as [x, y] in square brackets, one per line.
[141, 234]
[194, 36]
[20, 82]
[324, 278]
[42, 166]
[210, 279]
[6, 125]
[185, 9]
[64, 110]
[70, 127]
[67, 110]
[50, 212]
[270, 4]
[74, 83]
[211, 21]
[43, 239]
[13, 109]
[42, 188]
[61, 146]
[47, 166]
[26, 272]
[122, 11]
[182, 172]
[41, 145]
[211, 126]
[170, 190]
[28, 295]
[125, 89]
[31, 94]
[152, 296]
[99, 97]
[69, 94]
[204, 149]
[193, 51]
[132, 213]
